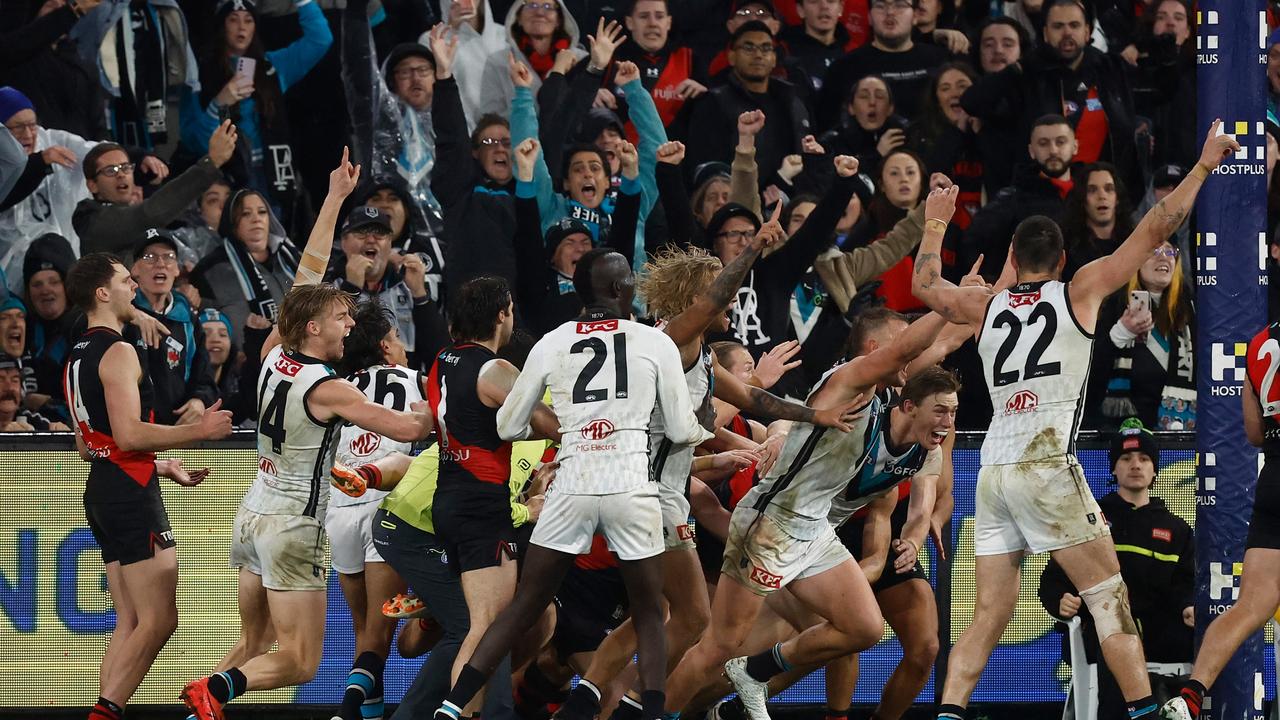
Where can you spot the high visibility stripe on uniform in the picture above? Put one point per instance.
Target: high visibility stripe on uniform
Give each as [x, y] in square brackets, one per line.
[1162, 557]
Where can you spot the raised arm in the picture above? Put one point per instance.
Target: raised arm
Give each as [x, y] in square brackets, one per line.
[687, 327]
[682, 227]
[762, 403]
[884, 364]
[360, 77]
[315, 256]
[293, 62]
[1103, 276]
[744, 178]
[960, 305]
[793, 259]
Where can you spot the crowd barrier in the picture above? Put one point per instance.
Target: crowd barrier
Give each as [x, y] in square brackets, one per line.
[55, 612]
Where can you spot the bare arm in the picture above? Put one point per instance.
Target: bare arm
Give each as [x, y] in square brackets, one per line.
[944, 502]
[315, 256]
[1252, 416]
[1103, 276]
[961, 305]
[924, 489]
[339, 398]
[884, 363]
[707, 510]
[496, 380]
[120, 372]
[877, 532]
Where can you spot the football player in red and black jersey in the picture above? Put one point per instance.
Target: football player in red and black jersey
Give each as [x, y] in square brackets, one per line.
[110, 402]
[1260, 582]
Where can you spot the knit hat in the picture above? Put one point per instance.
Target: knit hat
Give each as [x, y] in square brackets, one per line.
[226, 7]
[12, 302]
[47, 252]
[1133, 437]
[209, 315]
[13, 102]
[564, 228]
[727, 211]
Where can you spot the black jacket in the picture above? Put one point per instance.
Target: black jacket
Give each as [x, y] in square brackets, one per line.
[713, 126]
[1023, 94]
[179, 368]
[1157, 561]
[38, 60]
[992, 228]
[479, 214]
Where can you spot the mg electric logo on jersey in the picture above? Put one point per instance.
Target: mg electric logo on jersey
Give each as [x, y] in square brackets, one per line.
[1020, 402]
[285, 366]
[266, 465]
[586, 328]
[365, 444]
[597, 430]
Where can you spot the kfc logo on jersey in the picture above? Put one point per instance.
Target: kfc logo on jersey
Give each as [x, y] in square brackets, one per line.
[1020, 402]
[1019, 299]
[365, 444]
[597, 430]
[586, 328]
[764, 578]
[684, 532]
[285, 366]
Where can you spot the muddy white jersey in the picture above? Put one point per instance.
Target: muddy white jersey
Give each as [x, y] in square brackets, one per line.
[816, 464]
[606, 376]
[295, 450]
[1035, 358]
[883, 466]
[391, 386]
[670, 463]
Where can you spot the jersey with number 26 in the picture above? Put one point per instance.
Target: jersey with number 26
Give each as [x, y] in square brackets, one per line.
[391, 386]
[606, 377]
[295, 450]
[1035, 358]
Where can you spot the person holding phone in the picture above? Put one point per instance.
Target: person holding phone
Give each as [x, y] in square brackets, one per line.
[1143, 365]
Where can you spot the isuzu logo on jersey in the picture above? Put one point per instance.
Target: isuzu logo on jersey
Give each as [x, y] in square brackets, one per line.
[365, 444]
[597, 429]
[586, 328]
[1020, 402]
[285, 366]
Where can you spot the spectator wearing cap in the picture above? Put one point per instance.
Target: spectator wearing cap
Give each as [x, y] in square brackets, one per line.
[480, 60]
[390, 109]
[1097, 217]
[820, 39]
[1067, 76]
[1040, 187]
[364, 270]
[179, 369]
[1156, 551]
[249, 273]
[891, 54]
[748, 86]
[667, 68]
[410, 232]
[255, 104]
[116, 215]
[1163, 181]
[1144, 353]
[143, 56]
[15, 416]
[545, 292]
[40, 60]
[48, 323]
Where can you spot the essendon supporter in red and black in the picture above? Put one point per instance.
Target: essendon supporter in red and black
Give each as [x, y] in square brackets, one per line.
[666, 70]
[110, 402]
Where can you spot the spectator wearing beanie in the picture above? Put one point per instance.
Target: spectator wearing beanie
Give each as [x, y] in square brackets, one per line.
[231, 368]
[364, 269]
[390, 109]
[38, 59]
[1156, 551]
[49, 323]
[140, 76]
[265, 160]
[13, 337]
[14, 415]
[179, 369]
[116, 216]
[748, 86]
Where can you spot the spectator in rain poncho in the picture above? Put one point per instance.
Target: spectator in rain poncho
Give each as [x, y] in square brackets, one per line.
[480, 66]
[390, 110]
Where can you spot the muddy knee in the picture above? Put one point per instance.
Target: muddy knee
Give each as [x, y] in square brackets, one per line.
[1108, 603]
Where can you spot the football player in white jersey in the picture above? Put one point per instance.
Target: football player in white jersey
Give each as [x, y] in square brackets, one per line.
[1035, 340]
[690, 293]
[780, 536]
[606, 374]
[374, 358]
[278, 539]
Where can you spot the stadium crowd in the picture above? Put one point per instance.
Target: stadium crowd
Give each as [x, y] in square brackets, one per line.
[197, 144]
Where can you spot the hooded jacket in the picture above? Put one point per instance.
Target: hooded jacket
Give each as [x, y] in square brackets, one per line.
[179, 368]
[1156, 550]
[95, 38]
[390, 136]
[567, 24]
[480, 65]
[48, 209]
